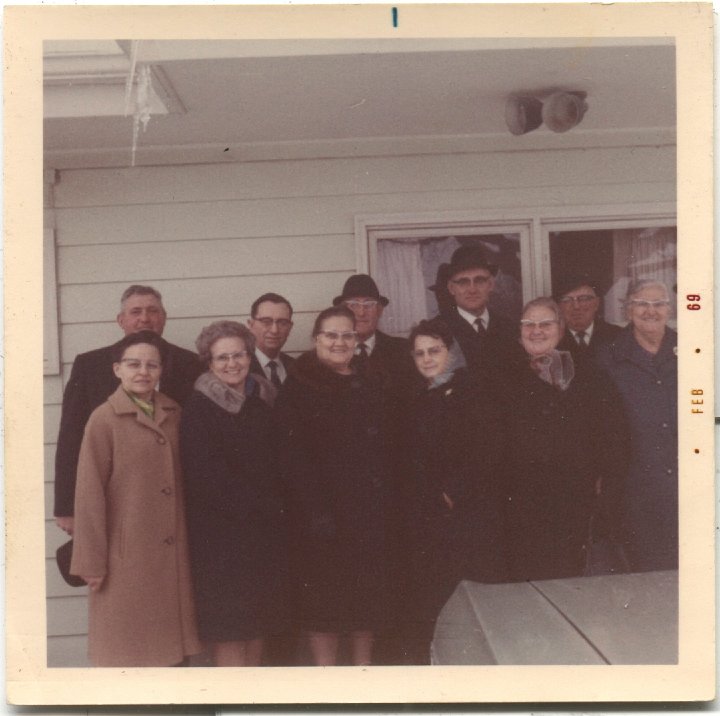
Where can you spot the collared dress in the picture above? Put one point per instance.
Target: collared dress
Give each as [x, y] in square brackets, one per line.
[648, 384]
[130, 528]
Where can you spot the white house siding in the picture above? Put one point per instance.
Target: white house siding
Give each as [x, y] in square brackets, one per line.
[213, 237]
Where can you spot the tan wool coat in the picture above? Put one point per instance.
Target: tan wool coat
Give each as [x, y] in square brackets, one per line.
[130, 528]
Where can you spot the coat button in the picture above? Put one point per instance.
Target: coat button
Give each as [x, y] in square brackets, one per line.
[372, 431]
[166, 490]
[161, 441]
[659, 382]
[169, 540]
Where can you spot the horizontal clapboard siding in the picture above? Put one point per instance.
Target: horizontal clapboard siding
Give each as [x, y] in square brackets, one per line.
[67, 651]
[131, 225]
[212, 238]
[362, 176]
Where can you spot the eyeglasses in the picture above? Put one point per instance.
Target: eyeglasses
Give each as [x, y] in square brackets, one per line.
[432, 352]
[225, 358]
[135, 364]
[467, 282]
[352, 305]
[640, 303]
[346, 337]
[282, 323]
[542, 325]
[584, 298]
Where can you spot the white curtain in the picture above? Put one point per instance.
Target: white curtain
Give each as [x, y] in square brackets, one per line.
[640, 253]
[400, 277]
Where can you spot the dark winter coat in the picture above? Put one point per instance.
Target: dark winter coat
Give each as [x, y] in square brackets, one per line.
[391, 355]
[334, 449]
[565, 445]
[648, 384]
[457, 449]
[234, 515]
[91, 383]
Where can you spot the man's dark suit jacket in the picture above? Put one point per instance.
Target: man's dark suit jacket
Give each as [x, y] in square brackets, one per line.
[492, 349]
[91, 382]
[602, 333]
[256, 368]
[391, 355]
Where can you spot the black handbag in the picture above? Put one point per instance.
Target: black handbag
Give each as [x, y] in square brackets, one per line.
[63, 556]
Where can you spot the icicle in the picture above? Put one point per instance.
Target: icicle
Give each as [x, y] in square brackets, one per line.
[142, 105]
[131, 74]
[143, 92]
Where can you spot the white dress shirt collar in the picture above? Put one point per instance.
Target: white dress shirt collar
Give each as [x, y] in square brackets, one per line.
[369, 345]
[470, 318]
[588, 333]
[264, 360]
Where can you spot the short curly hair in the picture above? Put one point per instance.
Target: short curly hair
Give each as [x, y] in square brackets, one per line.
[434, 328]
[209, 335]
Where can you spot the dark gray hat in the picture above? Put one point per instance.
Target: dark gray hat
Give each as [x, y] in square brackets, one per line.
[467, 257]
[360, 285]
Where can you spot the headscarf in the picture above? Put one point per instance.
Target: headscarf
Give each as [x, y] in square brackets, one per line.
[555, 367]
[456, 360]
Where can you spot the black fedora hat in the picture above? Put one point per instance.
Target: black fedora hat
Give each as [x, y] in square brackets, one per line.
[469, 256]
[63, 556]
[360, 285]
[571, 282]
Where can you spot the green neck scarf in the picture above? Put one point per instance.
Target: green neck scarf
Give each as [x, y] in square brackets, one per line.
[147, 407]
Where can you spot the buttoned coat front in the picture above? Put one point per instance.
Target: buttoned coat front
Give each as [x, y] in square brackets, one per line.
[649, 387]
[130, 528]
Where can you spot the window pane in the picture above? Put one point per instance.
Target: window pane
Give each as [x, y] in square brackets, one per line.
[612, 258]
[410, 275]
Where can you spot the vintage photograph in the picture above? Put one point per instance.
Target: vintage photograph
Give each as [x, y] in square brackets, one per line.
[363, 352]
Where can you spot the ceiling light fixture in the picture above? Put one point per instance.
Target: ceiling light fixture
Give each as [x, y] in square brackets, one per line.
[560, 112]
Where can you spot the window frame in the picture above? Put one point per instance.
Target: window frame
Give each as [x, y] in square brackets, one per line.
[534, 224]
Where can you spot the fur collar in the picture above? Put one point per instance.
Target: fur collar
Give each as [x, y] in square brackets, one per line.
[233, 400]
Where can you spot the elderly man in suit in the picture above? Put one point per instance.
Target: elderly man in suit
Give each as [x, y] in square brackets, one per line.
[92, 381]
[485, 338]
[271, 322]
[585, 330]
[387, 354]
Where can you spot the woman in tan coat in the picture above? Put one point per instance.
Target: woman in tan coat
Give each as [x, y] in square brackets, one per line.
[130, 542]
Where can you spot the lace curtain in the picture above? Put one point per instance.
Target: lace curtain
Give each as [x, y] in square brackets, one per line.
[400, 277]
[640, 253]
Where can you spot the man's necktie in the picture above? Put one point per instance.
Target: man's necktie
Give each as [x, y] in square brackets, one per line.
[361, 358]
[480, 326]
[580, 338]
[274, 377]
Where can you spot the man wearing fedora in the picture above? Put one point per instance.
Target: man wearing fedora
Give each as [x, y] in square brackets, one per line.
[386, 354]
[585, 330]
[485, 338]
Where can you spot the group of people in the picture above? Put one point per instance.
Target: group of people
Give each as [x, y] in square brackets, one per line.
[273, 510]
